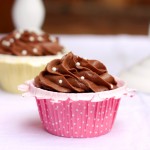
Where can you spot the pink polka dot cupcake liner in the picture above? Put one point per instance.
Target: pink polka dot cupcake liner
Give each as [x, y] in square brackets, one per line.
[77, 115]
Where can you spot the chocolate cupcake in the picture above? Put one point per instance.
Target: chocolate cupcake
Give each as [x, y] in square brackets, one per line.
[76, 97]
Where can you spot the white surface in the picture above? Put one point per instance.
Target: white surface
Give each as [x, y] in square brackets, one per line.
[139, 72]
[20, 126]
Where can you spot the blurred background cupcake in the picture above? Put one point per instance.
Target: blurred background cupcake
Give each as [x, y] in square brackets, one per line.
[25, 51]
[23, 54]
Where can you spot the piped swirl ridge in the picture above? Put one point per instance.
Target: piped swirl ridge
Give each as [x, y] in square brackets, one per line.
[73, 74]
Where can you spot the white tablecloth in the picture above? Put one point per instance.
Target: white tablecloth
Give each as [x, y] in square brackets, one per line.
[20, 126]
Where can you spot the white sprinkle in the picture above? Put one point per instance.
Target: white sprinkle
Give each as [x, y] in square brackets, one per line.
[59, 53]
[77, 64]
[6, 43]
[35, 50]
[11, 40]
[54, 69]
[60, 81]
[24, 52]
[31, 38]
[111, 86]
[40, 38]
[52, 39]
[21, 31]
[18, 35]
[82, 77]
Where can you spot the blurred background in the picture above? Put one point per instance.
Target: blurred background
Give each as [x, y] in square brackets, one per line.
[87, 16]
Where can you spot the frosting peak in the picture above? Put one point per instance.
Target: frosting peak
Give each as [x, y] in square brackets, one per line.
[73, 74]
[28, 43]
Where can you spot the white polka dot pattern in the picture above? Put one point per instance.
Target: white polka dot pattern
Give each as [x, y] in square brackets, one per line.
[78, 119]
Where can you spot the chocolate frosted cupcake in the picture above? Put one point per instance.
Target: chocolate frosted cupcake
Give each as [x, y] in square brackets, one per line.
[23, 55]
[76, 97]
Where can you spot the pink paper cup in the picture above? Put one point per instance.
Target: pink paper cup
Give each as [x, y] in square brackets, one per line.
[77, 115]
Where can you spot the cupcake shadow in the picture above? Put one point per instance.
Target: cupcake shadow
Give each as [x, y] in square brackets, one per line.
[32, 125]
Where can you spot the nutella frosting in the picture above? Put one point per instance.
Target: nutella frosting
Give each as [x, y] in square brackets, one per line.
[73, 74]
[28, 43]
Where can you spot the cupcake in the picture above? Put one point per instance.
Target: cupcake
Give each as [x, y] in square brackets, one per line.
[23, 55]
[76, 97]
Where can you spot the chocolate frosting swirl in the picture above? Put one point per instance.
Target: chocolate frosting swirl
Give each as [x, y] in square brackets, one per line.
[28, 43]
[73, 74]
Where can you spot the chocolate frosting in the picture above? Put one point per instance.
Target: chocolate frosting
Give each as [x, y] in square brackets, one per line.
[28, 43]
[73, 74]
